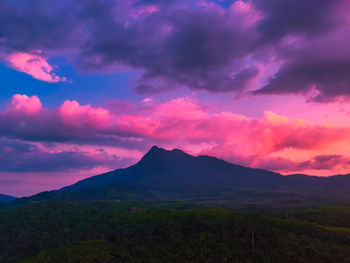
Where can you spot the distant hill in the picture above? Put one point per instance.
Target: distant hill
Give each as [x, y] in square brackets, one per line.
[169, 175]
[6, 198]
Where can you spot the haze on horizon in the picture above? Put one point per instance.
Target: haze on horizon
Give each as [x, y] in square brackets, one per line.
[89, 86]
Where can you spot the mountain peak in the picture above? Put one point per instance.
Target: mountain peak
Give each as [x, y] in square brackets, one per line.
[158, 150]
[157, 154]
[154, 148]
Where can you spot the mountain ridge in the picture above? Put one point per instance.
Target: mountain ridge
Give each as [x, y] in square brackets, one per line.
[175, 175]
[158, 160]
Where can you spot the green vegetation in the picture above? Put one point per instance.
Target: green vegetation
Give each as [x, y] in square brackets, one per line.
[337, 216]
[213, 196]
[106, 231]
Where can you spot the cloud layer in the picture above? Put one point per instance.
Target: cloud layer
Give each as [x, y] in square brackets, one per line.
[198, 45]
[18, 156]
[260, 142]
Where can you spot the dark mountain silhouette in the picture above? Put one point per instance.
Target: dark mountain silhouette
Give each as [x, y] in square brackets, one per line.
[159, 166]
[6, 198]
[163, 174]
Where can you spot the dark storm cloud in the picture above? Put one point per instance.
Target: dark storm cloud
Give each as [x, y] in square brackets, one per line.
[174, 44]
[311, 39]
[31, 25]
[330, 78]
[171, 45]
[198, 49]
[294, 17]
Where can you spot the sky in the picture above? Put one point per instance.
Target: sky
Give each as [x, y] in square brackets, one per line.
[88, 86]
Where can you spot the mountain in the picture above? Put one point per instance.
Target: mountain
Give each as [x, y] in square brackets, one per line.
[167, 168]
[6, 198]
[164, 175]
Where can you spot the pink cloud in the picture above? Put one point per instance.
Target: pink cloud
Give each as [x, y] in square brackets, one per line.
[34, 65]
[180, 108]
[327, 162]
[144, 10]
[23, 103]
[72, 113]
[183, 123]
[246, 12]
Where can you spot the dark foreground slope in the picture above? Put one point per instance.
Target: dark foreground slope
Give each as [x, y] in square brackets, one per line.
[169, 175]
[173, 232]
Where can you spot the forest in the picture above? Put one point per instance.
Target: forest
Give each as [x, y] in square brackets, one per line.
[114, 231]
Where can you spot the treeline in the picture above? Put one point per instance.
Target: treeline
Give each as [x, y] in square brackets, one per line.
[172, 232]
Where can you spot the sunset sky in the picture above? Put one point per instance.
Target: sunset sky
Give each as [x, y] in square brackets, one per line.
[88, 86]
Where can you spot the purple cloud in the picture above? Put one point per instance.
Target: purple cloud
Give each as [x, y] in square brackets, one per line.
[19, 156]
[318, 162]
[295, 17]
[311, 40]
[197, 45]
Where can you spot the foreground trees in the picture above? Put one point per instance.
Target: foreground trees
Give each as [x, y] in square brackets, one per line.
[117, 232]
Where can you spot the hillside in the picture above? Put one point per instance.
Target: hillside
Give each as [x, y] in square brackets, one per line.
[6, 198]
